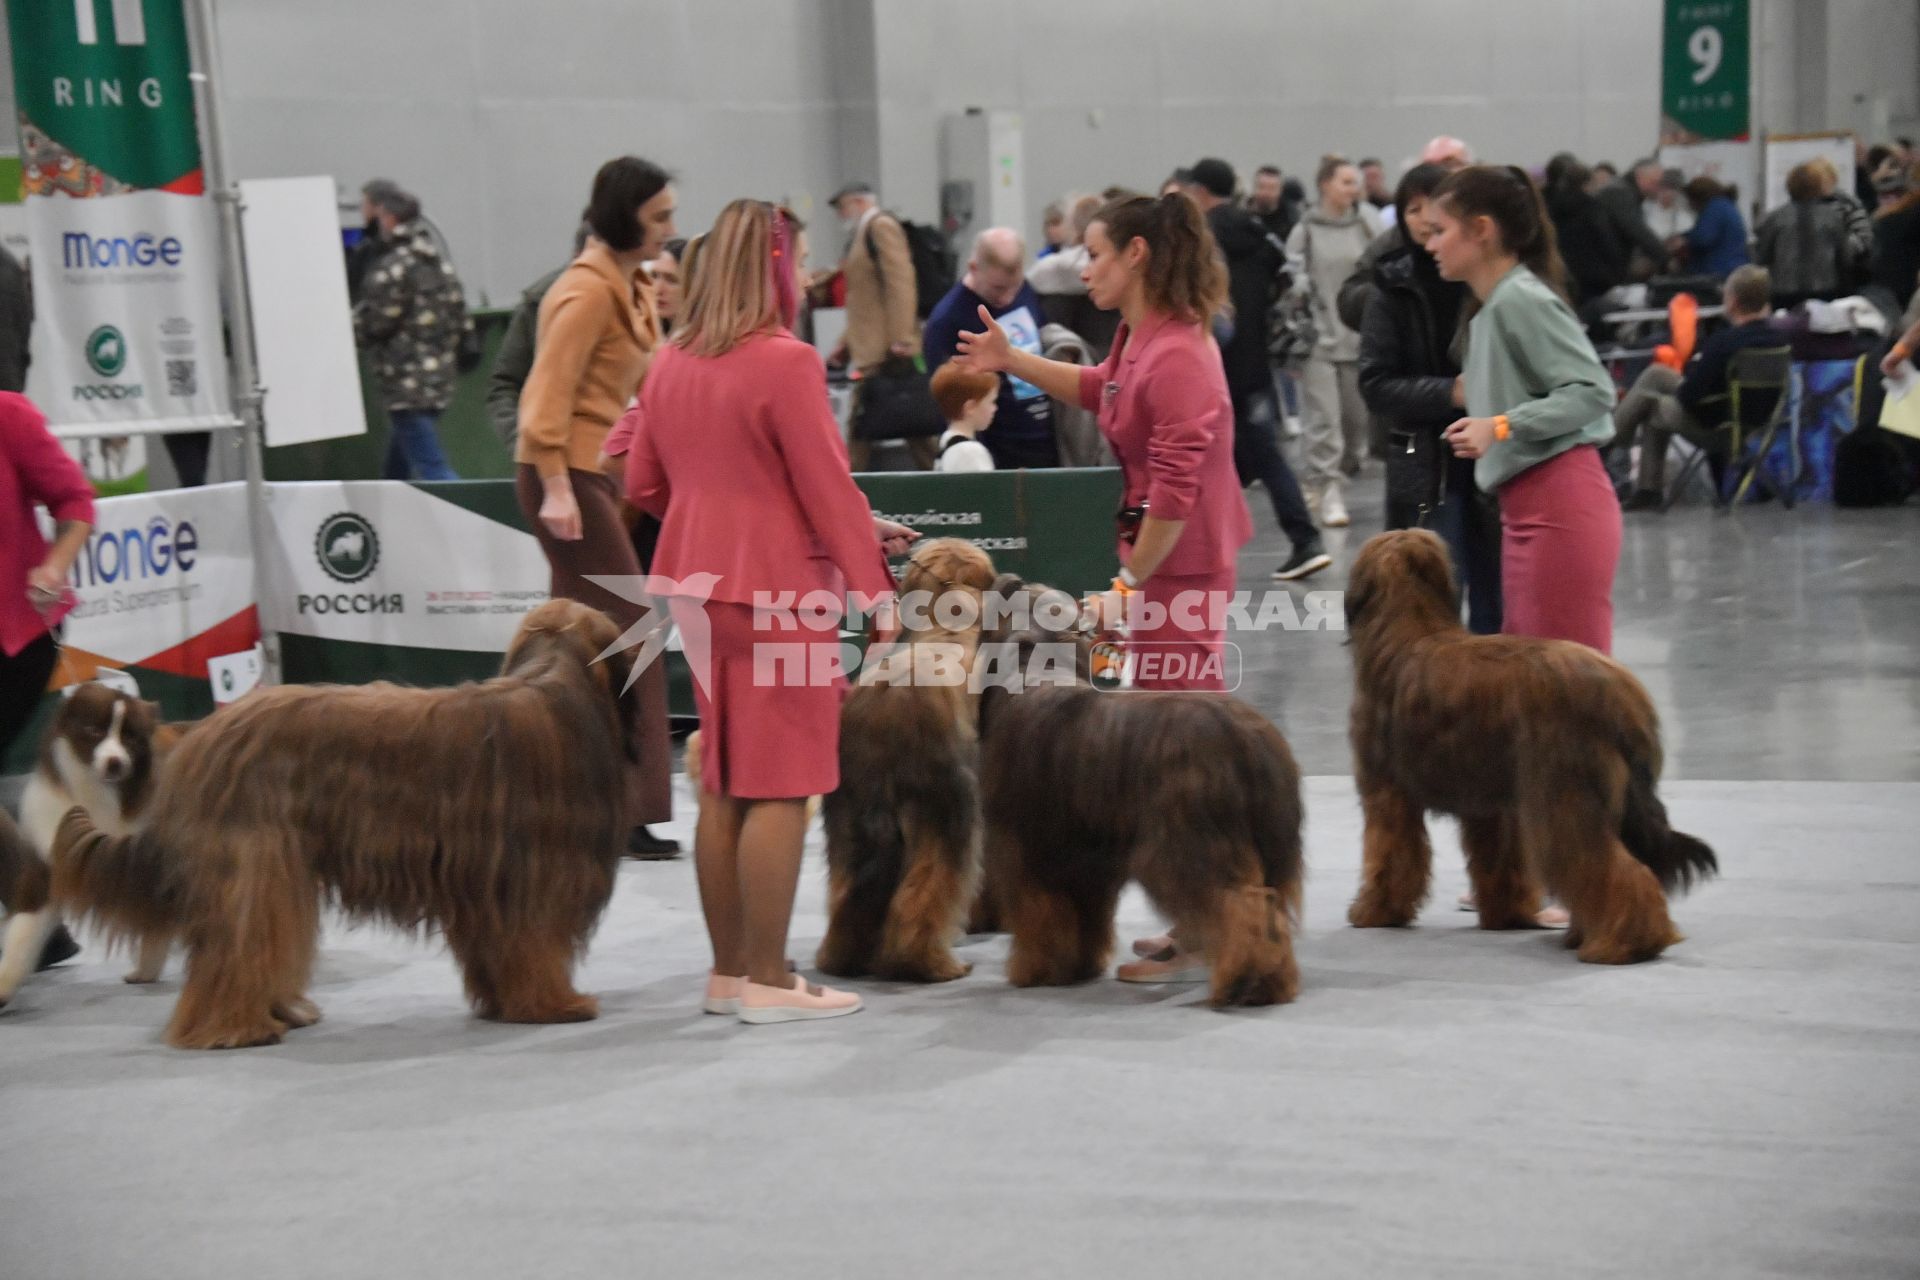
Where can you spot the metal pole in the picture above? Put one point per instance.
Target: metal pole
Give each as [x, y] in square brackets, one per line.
[249, 396]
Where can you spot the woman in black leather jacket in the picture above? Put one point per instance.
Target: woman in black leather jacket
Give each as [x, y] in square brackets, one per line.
[1411, 341]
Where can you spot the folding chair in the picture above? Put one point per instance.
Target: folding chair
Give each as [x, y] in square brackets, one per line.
[1758, 402]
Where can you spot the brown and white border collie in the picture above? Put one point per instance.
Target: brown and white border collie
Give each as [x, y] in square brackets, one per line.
[99, 754]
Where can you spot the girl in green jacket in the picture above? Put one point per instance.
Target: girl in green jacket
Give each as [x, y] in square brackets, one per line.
[1540, 403]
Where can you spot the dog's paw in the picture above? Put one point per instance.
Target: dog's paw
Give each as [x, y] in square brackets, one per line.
[952, 971]
[1370, 913]
[578, 1009]
[248, 1037]
[140, 978]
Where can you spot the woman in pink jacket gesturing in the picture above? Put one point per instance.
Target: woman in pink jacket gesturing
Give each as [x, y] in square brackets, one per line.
[1164, 407]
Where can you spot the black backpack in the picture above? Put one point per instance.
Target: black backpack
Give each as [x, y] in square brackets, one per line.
[933, 263]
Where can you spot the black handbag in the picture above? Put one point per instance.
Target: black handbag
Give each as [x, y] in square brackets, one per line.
[895, 402]
[1416, 475]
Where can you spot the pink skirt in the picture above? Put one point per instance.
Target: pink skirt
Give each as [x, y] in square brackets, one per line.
[1559, 547]
[1188, 649]
[769, 703]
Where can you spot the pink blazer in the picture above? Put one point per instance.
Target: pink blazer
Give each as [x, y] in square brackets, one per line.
[740, 458]
[1163, 405]
[34, 471]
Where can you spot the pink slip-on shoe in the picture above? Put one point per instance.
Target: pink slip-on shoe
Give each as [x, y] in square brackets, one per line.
[798, 1003]
[1171, 965]
[723, 994]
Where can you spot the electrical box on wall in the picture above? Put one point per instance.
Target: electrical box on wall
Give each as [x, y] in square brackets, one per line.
[982, 175]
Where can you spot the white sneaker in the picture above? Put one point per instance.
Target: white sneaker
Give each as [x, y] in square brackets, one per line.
[1333, 509]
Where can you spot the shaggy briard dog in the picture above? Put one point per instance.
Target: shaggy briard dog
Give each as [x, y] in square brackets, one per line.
[1194, 795]
[903, 858]
[489, 812]
[1546, 751]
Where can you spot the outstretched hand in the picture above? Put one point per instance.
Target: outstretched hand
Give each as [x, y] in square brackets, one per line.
[987, 352]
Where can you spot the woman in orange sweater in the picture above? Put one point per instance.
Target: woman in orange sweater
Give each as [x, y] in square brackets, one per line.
[597, 332]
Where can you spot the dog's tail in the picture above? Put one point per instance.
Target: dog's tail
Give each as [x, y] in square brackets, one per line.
[1252, 949]
[1675, 858]
[124, 884]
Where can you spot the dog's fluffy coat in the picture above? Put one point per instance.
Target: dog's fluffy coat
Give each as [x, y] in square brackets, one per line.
[1194, 795]
[100, 752]
[902, 828]
[1545, 750]
[490, 812]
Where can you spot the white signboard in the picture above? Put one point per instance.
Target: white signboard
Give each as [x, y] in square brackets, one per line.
[302, 320]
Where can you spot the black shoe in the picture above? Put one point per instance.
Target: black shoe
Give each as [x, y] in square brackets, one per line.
[1307, 559]
[644, 846]
[60, 948]
[1644, 500]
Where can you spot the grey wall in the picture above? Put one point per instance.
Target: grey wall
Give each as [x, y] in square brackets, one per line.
[1123, 90]
[498, 111]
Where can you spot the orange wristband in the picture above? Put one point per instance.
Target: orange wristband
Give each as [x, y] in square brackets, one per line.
[1901, 351]
[1123, 588]
[1501, 427]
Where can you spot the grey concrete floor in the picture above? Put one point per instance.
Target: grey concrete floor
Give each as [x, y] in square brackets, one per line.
[1778, 645]
[1439, 1102]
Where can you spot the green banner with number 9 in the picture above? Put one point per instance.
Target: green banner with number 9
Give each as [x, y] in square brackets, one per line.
[1704, 78]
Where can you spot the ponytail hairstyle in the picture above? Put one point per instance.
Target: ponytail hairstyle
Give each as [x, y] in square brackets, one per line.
[1509, 197]
[1185, 276]
[786, 286]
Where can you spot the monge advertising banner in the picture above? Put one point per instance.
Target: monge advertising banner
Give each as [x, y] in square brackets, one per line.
[165, 584]
[122, 239]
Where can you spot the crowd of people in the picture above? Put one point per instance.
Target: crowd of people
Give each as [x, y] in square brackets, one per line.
[664, 418]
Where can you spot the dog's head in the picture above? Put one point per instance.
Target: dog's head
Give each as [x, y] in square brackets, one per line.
[1399, 574]
[1023, 620]
[947, 564]
[108, 733]
[577, 633]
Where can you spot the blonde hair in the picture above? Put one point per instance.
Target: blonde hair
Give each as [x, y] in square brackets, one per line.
[732, 289]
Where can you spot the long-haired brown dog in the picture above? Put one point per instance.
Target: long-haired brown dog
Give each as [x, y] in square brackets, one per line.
[1545, 750]
[1194, 795]
[903, 857]
[488, 811]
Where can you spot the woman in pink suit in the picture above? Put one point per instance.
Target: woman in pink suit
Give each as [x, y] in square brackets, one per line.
[734, 448]
[1164, 407]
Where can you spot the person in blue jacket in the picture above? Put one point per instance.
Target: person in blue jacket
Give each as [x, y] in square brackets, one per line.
[1717, 242]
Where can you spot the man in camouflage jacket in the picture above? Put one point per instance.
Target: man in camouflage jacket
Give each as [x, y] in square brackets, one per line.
[411, 319]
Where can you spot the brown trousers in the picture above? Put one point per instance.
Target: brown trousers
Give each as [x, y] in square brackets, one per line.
[606, 548]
